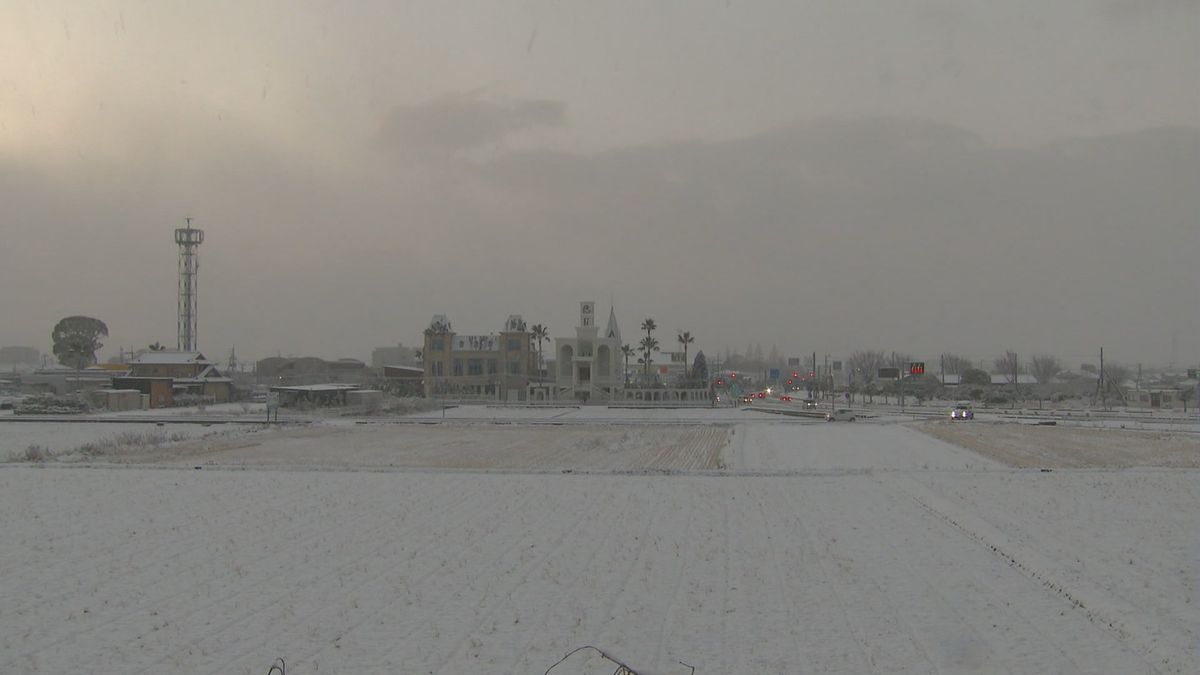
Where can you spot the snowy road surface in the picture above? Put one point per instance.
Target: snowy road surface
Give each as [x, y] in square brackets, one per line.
[816, 548]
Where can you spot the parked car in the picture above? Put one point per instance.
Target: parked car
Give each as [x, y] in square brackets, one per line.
[841, 415]
[962, 411]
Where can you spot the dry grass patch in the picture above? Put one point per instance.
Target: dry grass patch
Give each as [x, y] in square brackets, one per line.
[1023, 445]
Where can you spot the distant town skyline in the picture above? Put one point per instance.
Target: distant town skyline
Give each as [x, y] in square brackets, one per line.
[924, 176]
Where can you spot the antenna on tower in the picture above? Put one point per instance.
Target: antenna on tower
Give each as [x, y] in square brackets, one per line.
[189, 240]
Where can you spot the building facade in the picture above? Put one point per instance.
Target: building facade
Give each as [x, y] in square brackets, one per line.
[187, 374]
[590, 366]
[499, 365]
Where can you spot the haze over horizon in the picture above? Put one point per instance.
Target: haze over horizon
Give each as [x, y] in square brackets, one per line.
[824, 176]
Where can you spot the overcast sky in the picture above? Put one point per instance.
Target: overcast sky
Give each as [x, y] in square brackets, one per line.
[923, 176]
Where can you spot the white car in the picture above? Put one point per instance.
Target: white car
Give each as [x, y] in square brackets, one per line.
[841, 415]
[962, 411]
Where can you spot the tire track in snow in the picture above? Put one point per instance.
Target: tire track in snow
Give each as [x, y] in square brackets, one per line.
[1098, 607]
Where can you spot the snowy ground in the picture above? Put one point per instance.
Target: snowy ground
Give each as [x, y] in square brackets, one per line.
[463, 547]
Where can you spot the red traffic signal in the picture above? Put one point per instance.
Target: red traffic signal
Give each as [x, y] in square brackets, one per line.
[812, 373]
[733, 376]
[789, 381]
[720, 382]
[795, 374]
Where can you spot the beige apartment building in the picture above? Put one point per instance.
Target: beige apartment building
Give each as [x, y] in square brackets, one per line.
[498, 365]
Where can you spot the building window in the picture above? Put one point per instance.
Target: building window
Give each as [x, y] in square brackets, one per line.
[437, 344]
[514, 344]
[474, 366]
[514, 367]
[438, 368]
[458, 371]
[493, 367]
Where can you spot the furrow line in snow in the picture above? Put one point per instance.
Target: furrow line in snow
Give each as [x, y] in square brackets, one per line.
[1099, 607]
[604, 563]
[239, 601]
[148, 606]
[610, 514]
[680, 577]
[151, 563]
[837, 587]
[368, 580]
[443, 593]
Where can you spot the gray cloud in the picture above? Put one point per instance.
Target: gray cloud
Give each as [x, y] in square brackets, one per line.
[890, 233]
[1124, 10]
[461, 122]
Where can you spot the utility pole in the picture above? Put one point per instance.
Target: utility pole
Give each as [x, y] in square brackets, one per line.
[1016, 376]
[813, 375]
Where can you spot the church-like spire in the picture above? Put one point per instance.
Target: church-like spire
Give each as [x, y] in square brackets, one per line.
[612, 331]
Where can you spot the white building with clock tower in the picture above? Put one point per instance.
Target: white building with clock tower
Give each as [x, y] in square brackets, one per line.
[591, 366]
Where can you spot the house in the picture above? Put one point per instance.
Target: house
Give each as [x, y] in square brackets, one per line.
[187, 374]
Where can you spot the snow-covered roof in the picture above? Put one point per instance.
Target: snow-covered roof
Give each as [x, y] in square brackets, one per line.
[201, 380]
[319, 387]
[1023, 378]
[169, 358]
[411, 369]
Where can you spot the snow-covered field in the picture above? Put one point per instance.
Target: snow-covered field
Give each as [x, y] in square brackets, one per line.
[467, 547]
[65, 439]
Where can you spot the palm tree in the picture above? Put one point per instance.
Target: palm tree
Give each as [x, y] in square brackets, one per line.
[649, 326]
[540, 333]
[648, 344]
[685, 339]
[628, 352]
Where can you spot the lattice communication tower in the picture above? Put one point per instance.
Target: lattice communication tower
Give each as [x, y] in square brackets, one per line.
[189, 240]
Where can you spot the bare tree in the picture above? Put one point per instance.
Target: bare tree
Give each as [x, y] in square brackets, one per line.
[1045, 368]
[864, 368]
[1008, 365]
[1116, 374]
[1185, 394]
[955, 364]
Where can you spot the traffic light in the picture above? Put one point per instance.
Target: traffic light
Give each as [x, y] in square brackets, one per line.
[790, 381]
[720, 382]
[795, 374]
